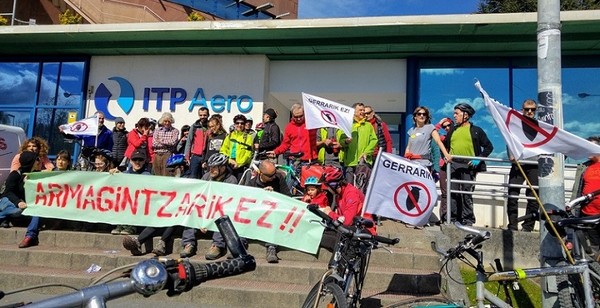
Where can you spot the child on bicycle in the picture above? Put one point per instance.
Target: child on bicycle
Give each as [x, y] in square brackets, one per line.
[314, 194]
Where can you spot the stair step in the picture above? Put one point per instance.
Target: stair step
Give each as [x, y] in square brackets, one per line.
[238, 291]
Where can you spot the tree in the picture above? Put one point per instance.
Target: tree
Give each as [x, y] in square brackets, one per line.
[68, 18]
[519, 6]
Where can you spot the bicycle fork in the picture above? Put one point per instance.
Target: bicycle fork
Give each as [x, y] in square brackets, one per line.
[328, 273]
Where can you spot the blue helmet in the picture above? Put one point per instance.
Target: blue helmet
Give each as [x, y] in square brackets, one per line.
[312, 180]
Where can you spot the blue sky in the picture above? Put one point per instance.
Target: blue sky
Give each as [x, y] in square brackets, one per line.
[363, 8]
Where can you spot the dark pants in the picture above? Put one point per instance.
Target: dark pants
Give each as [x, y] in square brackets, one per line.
[149, 232]
[462, 204]
[196, 171]
[512, 207]
[444, 195]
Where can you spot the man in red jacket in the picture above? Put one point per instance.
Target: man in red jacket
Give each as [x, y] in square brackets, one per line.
[296, 138]
[384, 139]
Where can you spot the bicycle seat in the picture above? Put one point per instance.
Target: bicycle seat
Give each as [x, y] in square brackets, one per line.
[293, 154]
[585, 222]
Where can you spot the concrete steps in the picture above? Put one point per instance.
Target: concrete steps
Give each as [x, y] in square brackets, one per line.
[63, 257]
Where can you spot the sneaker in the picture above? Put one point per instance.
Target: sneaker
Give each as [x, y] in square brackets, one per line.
[29, 241]
[117, 230]
[272, 255]
[161, 249]
[127, 230]
[188, 251]
[132, 244]
[215, 252]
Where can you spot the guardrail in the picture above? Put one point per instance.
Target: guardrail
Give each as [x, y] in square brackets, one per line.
[100, 10]
[488, 188]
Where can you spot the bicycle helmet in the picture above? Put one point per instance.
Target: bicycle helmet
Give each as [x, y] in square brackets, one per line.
[333, 174]
[312, 180]
[217, 159]
[466, 108]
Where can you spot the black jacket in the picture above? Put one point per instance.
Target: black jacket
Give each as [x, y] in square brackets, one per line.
[481, 144]
[271, 137]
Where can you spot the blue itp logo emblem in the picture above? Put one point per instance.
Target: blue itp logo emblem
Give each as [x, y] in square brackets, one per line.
[125, 99]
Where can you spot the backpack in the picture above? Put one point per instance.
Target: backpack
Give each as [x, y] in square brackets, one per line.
[362, 173]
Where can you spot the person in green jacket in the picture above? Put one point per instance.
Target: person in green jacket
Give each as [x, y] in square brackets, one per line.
[238, 146]
[329, 146]
[361, 145]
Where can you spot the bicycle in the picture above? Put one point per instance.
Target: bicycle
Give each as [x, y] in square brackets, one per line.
[578, 284]
[287, 170]
[341, 285]
[150, 276]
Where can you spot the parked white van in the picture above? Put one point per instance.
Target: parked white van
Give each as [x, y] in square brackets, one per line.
[11, 139]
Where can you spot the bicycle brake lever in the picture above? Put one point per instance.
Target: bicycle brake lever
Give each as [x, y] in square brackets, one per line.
[385, 248]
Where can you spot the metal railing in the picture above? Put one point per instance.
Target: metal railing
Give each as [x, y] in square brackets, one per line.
[503, 186]
[103, 11]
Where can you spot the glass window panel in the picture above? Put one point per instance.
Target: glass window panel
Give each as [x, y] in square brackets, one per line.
[46, 126]
[441, 89]
[18, 83]
[48, 84]
[16, 118]
[393, 122]
[70, 90]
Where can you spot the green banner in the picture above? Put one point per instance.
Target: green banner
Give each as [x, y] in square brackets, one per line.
[157, 201]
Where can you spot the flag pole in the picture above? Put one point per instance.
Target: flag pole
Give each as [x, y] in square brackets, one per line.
[96, 140]
[371, 181]
[545, 213]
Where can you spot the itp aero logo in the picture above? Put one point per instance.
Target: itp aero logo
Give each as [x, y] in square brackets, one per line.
[124, 101]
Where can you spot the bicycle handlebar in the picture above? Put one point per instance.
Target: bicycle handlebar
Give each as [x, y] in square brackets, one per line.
[336, 225]
[153, 275]
[582, 199]
[470, 242]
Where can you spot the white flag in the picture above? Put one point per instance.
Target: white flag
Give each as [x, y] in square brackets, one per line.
[400, 189]
[84, 127]
[527, 137]
[320, 112]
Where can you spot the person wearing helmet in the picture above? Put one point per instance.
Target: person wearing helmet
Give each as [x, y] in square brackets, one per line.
[313, 193]
[348, 198]
[218, 171]
[465, 139]
[248, 126]
[238, 146]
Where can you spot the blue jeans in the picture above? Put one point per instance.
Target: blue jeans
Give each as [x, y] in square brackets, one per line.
[33, 229]
[196, 171]
[8, 209]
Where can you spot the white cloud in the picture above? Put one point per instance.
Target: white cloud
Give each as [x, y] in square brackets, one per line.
[441, 71]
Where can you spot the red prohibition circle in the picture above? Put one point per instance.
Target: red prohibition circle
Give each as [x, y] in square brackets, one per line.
[548, 135]
[79, 127]
[406, 187]
[329, 117]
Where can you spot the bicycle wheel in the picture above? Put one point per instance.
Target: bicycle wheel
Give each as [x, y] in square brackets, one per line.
[570, 291]
[331, 296]
[428, 301]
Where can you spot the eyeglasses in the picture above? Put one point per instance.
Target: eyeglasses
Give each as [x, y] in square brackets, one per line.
[99, 164]
[240, 123]
[138, 159]
[530, 109]
[269, 176]
[369, 112]
[420, 114]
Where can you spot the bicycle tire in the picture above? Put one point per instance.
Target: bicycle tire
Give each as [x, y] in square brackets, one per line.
[332, 296]
[570, 291]
[427, 301]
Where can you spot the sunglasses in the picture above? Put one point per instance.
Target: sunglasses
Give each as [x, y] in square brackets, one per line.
[530, 109]
[138, 159]
[299, 117]
[420, 114]
[446, 126]
[333, 185]
[240, 123]
[369, 112]
[269, 176]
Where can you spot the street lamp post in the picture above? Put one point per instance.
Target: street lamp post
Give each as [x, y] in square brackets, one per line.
[584, 95]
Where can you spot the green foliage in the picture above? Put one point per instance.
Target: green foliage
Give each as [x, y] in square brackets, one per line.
[3, 21]
[195, 16]
[69, 18]
[528, 296]
[517, 6]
